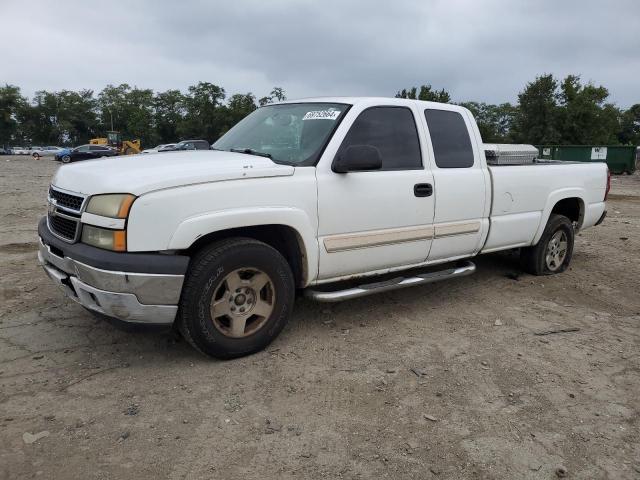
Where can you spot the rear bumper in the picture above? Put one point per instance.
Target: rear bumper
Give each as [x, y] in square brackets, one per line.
[121, 291]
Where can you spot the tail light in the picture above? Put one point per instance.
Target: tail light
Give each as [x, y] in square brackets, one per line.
[606, 193]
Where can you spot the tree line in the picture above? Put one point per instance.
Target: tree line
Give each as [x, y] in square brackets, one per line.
[548, 111]
[72, 118]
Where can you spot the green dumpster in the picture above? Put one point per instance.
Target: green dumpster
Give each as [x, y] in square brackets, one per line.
[619, 158]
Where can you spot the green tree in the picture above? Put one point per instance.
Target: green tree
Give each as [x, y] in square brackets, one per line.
[583, 116]
[139, 116]
[112, 107]
[630, 126]
[536, 120]
[426, 93]
[169, 110]
[76, 119]
[494, 121]
[128, 111]
[205, 117]
[239, 106]
[277, 95]
[41, 119]
[10, 103]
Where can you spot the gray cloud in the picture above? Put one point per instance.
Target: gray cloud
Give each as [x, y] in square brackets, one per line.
[483, 51]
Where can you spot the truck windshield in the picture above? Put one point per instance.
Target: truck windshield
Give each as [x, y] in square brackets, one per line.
[290, 133]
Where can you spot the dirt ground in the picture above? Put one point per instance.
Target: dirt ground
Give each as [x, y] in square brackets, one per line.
[449, 380]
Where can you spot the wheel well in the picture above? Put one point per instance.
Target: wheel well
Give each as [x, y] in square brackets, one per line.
[571, 208]
[283, 238]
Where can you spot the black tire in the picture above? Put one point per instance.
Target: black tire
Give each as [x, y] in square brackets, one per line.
[534, 259]
[207, 272]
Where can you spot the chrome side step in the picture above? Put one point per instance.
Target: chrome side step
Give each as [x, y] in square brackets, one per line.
[462, 270]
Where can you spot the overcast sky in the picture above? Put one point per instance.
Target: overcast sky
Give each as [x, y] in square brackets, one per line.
[477, 50]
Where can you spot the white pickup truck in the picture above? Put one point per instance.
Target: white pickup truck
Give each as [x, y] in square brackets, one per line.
[335, 198]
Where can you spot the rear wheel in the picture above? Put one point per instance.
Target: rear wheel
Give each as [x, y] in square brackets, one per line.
[553, 252]
[237, 298]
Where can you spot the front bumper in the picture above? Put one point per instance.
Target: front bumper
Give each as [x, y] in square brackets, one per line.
[131, 296]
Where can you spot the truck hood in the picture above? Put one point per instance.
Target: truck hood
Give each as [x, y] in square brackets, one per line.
[140, 174]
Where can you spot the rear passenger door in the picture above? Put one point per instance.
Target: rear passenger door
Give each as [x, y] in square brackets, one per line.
[373, 220]
[461, 184]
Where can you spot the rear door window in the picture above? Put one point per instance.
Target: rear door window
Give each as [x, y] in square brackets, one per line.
[392, 130]
[450, 139]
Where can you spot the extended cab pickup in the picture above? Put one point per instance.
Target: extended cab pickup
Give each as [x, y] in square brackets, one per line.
[335, 197]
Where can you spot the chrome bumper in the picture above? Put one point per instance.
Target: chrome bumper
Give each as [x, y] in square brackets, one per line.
[131, 297]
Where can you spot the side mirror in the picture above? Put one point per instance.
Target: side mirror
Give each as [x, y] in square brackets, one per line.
[357, 158]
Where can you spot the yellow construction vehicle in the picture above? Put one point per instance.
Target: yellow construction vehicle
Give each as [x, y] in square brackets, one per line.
[114, 139]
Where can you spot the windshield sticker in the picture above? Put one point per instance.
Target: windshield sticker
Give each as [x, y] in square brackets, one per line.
[322, 115]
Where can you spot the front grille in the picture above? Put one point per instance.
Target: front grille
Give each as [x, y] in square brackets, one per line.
[63, 227]
[66, 200]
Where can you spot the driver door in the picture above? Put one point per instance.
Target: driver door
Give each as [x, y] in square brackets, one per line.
[82, 153]
[374, 220]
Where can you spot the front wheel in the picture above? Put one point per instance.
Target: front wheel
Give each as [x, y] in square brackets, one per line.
[237, 297]
[66, 159]
[553, 252]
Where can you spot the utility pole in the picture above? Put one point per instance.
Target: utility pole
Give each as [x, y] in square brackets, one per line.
[111, 115]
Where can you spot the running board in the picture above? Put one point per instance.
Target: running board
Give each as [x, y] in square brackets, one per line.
[463, 269]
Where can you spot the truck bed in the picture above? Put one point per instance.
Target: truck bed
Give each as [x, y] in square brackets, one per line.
[523, 195]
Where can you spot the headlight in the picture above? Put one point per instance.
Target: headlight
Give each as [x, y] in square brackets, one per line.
[112, 205]
[115, 240]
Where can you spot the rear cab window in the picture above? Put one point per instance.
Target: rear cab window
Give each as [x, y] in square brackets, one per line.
[450, 139]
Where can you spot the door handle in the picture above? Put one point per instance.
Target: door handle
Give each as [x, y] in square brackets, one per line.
[422, 190]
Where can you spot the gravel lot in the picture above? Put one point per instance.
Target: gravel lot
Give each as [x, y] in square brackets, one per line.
[443, 381]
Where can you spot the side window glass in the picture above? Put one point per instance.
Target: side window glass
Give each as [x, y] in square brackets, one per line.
[392, 130]
[450, 139]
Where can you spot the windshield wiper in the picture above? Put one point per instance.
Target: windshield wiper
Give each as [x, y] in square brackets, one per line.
[250, 151]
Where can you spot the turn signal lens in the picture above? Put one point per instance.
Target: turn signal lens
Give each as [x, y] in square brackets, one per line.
[111, 205]
[115, 240]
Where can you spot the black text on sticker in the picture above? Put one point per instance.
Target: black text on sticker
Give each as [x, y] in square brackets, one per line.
[321, 115]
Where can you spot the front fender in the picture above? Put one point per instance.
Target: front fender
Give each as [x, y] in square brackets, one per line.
[195, 227]
[552, 200]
